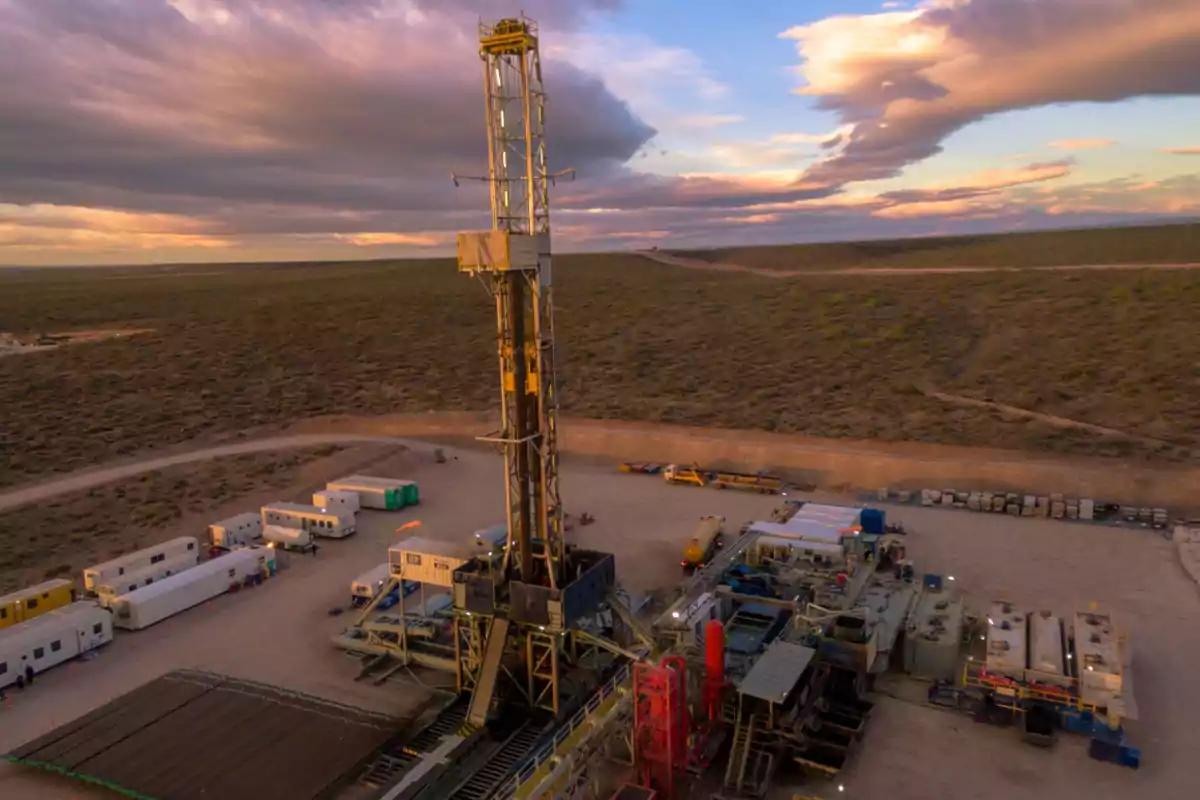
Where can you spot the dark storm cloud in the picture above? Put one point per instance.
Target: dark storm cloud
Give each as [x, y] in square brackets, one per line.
[145, 106]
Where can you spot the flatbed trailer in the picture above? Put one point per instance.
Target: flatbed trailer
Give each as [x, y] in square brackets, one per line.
[723, 479]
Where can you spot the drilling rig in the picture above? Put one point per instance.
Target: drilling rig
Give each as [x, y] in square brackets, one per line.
[525, 624]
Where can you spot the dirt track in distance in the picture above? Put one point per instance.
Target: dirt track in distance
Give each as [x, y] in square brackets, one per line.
[708, 266]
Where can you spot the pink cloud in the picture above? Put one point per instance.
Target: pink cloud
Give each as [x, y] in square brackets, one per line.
[1082, 144]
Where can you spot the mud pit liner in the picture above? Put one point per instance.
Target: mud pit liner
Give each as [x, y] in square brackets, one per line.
[191, 735]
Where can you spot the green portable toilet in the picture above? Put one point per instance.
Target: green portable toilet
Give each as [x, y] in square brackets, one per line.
[411, 496]
[392, 499]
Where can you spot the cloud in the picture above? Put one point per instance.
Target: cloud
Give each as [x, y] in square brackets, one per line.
[906, 80]
[377, 239]
[707, 120]
[1082, 144]
[249, 113]
[1182, 151]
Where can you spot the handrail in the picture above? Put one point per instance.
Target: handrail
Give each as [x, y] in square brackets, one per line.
[510, 787]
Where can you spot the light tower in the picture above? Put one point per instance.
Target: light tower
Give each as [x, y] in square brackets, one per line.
[514, 261]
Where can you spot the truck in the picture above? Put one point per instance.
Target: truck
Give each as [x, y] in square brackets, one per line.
[325, 522]
[52, 639]
[110, 571]
[721, 479]
[143, 607]
[236, 531]
[703, 545]
[337, 500]
[107, 592]
[384, 494]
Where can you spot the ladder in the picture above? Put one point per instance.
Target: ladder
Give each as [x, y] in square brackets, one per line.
[489, 672]
[739, 755]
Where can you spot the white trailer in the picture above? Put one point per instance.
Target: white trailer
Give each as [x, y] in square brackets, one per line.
[287, 538]
[237, 531]
[52, 638]
[364, 588]
[132, 581]
[337, 500]
[384, 494]
[326, 522]
[150, 604]
[111, 572]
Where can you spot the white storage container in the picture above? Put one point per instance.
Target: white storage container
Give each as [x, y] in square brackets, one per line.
[158, 601]
[51, 639]
[337, 500]
[237, 531]
[111, 572]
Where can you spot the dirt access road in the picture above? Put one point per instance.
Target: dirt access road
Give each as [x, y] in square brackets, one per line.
[90, 478]
[709, 266]
[845, 464]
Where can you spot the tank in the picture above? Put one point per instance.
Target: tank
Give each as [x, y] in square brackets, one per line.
[714, 650]
[872, 520]
[700, 548]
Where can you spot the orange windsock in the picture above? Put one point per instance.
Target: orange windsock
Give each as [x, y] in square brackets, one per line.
[416, 523]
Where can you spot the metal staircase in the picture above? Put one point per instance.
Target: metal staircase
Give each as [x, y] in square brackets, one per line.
[502, 763]
[394, 762]
[739, 755]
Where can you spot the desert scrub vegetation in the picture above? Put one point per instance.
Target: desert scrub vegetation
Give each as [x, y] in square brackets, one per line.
[1159, 244]
[61, 537]
[823, 355]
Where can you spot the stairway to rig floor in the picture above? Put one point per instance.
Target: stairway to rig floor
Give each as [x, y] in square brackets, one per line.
[396, 760]
[501, 764]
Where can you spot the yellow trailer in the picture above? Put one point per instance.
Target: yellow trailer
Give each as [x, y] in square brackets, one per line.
[33, 601]
[766, 484]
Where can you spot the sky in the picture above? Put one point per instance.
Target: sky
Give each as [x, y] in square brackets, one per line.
[149, 131]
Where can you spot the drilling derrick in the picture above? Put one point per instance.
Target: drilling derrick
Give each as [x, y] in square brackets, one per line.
[514, 259]
[518, 621]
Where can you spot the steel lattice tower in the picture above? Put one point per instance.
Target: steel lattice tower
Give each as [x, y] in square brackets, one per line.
[513, 259]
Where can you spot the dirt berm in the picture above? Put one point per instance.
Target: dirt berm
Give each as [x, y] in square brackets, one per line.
[826, 463]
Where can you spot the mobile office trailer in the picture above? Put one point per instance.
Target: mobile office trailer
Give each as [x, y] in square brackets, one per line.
[326, 522]
[33, 601]
[287, 538]
[237, 531]
[385, 494]
[150, 604]
[51, 639]
[111, 571]
[108, 592]
[337, 500]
